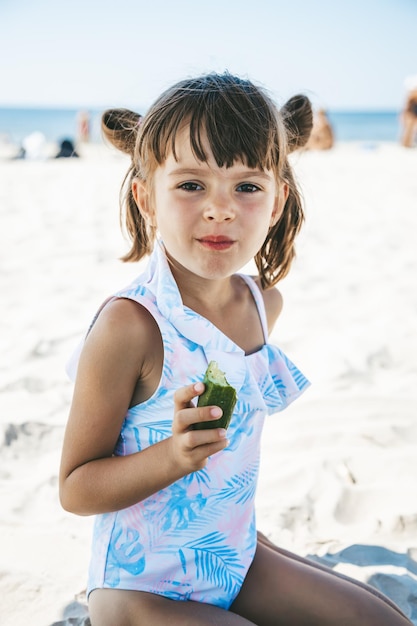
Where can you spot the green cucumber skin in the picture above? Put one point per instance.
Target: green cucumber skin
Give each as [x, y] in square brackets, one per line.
[217, 395]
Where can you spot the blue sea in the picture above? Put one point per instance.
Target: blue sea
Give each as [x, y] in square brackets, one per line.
[55, 124]
[59, 124]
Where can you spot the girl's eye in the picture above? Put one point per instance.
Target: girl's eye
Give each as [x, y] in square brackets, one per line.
[248, 188]
[190, 186]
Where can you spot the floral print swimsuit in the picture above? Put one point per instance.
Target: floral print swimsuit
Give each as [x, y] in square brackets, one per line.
[195, 539]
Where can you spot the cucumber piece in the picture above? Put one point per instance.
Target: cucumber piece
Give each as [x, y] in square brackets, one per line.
[218, 392]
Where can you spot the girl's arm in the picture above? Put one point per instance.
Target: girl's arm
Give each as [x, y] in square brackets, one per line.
[123, 353]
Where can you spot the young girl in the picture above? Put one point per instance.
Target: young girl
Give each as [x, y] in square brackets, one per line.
[209, 188]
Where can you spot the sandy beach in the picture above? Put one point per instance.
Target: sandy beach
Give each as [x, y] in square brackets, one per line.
[339, 471]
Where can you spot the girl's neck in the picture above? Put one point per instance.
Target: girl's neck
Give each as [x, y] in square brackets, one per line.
[227, 303]
[232, 309]
[198, 293]
[207, 295]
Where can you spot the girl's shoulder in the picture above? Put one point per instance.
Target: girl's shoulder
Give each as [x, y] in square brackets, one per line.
[124, 326]
[125, 318]
[125, 342]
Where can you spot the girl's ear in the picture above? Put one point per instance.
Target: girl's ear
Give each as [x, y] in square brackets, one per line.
[140, 194]
[280, 201]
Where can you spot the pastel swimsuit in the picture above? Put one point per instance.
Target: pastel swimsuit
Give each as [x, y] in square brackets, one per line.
[195, 539]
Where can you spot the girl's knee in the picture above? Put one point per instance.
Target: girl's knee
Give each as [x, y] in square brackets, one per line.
[108, 607]
[282, 590]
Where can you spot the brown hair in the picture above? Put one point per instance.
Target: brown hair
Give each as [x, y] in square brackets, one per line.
[241, 122]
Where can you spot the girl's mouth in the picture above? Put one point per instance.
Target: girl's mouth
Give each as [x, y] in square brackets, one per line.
[216, 242]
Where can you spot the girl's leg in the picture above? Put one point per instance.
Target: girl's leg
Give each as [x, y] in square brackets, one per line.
[114, 607]
[264, 540]
[279, 590]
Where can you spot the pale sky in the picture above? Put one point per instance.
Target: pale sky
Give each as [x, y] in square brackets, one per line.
[354, 54]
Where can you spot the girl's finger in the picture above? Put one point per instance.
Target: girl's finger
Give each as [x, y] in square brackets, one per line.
[184, 395]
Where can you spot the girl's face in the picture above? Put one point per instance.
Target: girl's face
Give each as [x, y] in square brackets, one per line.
[212, 220]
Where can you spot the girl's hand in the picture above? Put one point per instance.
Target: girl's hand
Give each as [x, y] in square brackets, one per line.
[191, 448]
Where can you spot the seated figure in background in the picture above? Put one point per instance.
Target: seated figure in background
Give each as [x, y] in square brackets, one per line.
[66, 150]
[321, 137]
[409, 117]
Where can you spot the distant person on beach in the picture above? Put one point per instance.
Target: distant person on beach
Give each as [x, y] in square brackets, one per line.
[322, 137]
[209, 188]
[33, 147]
[409, 114]
[83, 119]
[66, 150]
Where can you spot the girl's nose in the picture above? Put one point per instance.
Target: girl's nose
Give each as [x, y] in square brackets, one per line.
[219, 208]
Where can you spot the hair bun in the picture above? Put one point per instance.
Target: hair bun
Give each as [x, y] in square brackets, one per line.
[120, 128]
[298, 119]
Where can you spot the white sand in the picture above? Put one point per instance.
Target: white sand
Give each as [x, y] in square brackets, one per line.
[339, 470]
